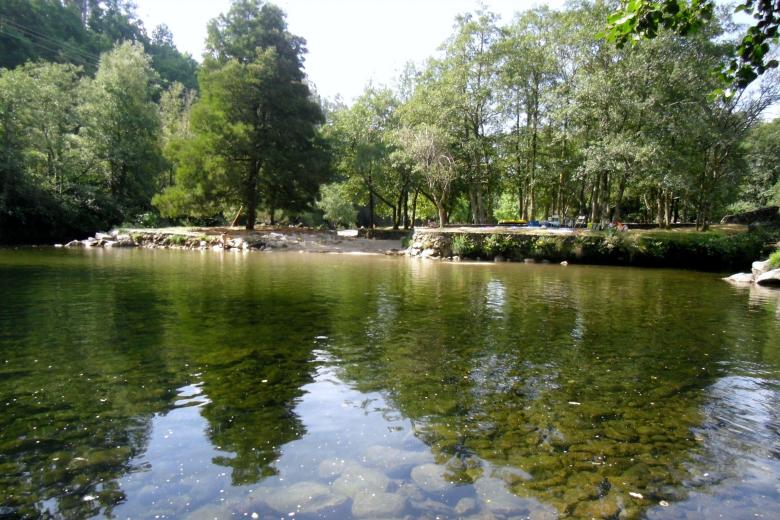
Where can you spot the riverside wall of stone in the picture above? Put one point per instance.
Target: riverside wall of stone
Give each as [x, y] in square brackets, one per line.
[687, 250]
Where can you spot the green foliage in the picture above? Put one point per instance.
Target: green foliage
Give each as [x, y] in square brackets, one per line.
[122, 126]
[507, 207]
[644, 18]
[498, 245]
[336, 204]
[255, 141]
[465, 246]
[774, 260]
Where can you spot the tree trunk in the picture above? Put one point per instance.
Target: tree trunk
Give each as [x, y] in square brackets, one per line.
[238, 214]
[251, 196]
[442, 214]
[405, 195]
[619, 201]
[414, 207]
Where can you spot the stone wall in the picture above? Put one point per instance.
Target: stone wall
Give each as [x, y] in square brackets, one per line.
[689, 250]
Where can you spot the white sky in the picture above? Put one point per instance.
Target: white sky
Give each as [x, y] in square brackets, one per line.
[350, 42]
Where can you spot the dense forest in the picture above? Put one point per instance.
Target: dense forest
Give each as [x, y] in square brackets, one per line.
[102, 124]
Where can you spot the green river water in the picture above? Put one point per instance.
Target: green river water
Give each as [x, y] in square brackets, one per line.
[170, 384]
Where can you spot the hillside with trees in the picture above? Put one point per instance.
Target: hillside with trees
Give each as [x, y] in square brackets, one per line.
[103, 124]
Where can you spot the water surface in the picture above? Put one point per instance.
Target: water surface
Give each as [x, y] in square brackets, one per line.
[169, 384]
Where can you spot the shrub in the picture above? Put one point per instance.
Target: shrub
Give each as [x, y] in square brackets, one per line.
[464, 245]
[774, 260]
[495, 245]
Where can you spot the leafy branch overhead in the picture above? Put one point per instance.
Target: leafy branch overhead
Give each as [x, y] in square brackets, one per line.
[638, 19]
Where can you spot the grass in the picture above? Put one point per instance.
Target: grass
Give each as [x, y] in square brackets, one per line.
[774, 260]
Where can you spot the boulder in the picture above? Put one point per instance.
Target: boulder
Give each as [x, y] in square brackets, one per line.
[466, 506]
[74, 243]
[388, 458]
[740, 278]
[356, 479]
[378, 505]
[494, 495]
[760, 268]
[333, 467]
[106, 236]
[308, 498]
[430, 478]
[770, 278]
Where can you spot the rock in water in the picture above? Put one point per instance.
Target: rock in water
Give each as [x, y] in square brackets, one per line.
[303, 497]
[389, 458]
[356, 479]
[740, 278]
[770, 278]
[494, 495]
[378, 505]
[430, 478]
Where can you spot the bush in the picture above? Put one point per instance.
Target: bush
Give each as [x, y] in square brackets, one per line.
[336, 205]
[464, 246]
[774, 260]
[495, 245]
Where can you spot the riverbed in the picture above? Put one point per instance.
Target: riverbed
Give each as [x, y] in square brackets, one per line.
[158, 383]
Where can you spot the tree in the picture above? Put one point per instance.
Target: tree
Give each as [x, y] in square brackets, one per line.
[429, 152]
[336, 204]
[761, 184]
[643, 18]
[122, 126]
[255, 125]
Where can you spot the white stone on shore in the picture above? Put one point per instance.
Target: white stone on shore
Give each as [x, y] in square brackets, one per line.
[770, 278]
[740, 278]
[760, 267]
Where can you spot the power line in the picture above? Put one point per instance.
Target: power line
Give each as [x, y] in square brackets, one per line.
[23, 28]
[45, 42]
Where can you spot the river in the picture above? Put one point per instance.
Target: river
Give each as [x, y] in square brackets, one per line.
[170, 384]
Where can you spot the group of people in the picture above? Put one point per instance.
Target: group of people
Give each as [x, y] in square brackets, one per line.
[616, 224]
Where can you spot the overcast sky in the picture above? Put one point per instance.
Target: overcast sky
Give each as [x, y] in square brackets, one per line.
[350, 42]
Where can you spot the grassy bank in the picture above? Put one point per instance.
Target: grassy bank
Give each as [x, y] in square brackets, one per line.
[711, 251]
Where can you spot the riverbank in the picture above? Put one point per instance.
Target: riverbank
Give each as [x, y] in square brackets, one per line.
[727, 248]
[264, 238]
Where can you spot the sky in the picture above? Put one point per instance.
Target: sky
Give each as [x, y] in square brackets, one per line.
[351, 43]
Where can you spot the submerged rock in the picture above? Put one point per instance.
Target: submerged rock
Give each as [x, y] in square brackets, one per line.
[333, 467]
[430, 478]
[770, 278]
[466, 506]
[378, 505]
[389, 458]
[358, 479]
[494, 495]
[303, 497]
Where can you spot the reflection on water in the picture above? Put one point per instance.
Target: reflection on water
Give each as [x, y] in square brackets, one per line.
[156, 383]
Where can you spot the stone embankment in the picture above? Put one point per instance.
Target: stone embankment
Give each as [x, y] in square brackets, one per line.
[162, 240]
[761, 274]
[707, 251]
[234, 239]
